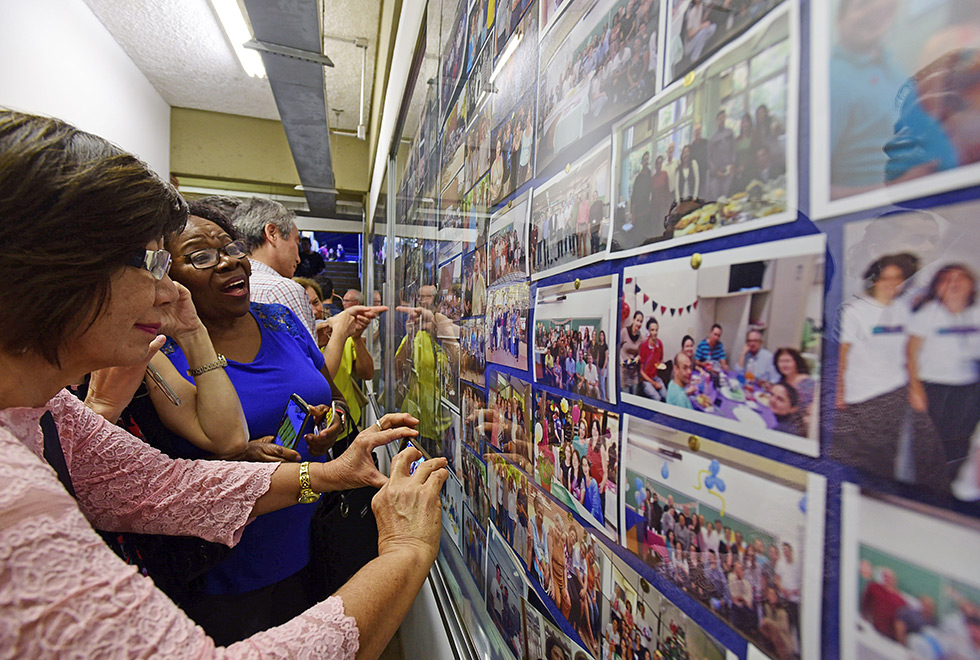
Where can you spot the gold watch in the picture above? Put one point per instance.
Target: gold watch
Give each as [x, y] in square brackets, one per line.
[306, 494]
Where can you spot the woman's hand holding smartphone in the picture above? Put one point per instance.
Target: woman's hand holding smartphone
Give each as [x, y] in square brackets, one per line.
[329, 423]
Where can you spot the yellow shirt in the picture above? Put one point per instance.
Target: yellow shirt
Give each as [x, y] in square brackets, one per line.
[344, 379]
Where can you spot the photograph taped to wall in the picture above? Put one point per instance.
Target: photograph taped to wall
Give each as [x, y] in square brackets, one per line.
[577, 453]
[716, 156]
[698, 28]
[453, 55]
[506, 319]
[475, 548]
[512, 151]
[505, 592]
[474, 413]
[453, 144]
[479, 28]
[909, 584]
[572, 326]
[593, 67]
[450, 296]
[896, 97]
[507, 487]
[450, 443]
[452, 510]
[546, 641]
[681, 637]
[478, 146]
[476, 213]
[570, 215]
[907, 403]
[740, 533]
[474, 480]
[510, 416]
[475, 282]
[472, 351]
[507, 243]
[676, 322]
[630, 611]
[509, 15]
[478, 86]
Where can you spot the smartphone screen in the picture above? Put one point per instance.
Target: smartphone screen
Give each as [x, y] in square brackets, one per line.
[415, 464]
[293, 422]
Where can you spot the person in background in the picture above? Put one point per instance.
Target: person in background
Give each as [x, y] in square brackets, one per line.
[651, 359]
[795, 372]
[677, 391]
[315, 295]
[756, 360]
[721, 160]
[272, 240]
[350, 357]
[630, 340]
[310, 261]
[710, 353]
[641, 201]
[687, 180]
[785, 405]
[107, 315]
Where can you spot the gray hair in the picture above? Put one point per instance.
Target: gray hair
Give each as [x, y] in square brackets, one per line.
[252, 216]
[224, 203]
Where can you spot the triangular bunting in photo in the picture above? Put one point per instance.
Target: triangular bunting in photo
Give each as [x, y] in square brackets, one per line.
[672, 310]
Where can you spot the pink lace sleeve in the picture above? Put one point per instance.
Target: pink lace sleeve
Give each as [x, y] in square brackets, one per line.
[123, 484]
[64, 593]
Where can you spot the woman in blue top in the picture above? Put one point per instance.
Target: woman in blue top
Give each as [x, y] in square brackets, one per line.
[270, 356]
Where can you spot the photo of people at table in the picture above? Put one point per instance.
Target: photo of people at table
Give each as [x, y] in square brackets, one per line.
[577, 457]
[507, 244]
[506, 320]
[505, 591]
[886, 137]
[572, 329]
[593, 68]
[567, 561]
[714, 524]
[909, 586]
[698, 28]
[715, 156]
[570, 214]
[734, 344]
[907, 397]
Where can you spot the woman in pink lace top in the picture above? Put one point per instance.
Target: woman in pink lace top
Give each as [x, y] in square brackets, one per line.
[81, 227]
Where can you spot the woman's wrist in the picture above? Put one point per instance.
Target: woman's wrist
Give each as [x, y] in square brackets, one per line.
[197, 347]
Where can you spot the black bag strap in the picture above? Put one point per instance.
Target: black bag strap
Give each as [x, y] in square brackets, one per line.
[53, 453]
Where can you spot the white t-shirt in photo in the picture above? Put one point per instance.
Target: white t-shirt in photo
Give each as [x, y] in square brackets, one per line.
[950, 344]
[877, 336]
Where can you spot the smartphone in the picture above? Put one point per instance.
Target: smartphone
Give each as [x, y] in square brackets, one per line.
[416, 463]
[293, 425]
[328, 418]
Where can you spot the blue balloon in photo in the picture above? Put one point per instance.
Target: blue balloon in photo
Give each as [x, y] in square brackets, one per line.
[714, 467]
[803, 504]
[664, 472]
[709, 482]
[639, 483]
[719, 485]
[640, 496]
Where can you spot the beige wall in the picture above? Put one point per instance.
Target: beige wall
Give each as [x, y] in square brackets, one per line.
[213, 145]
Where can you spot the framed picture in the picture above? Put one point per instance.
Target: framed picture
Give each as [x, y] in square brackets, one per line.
[506, 320]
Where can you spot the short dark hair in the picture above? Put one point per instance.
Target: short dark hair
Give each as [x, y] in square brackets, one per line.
[74, 209]
[652, 320]
[224, 203]
[906, 262]
[717, 325]
[791, 393]
[215, 215]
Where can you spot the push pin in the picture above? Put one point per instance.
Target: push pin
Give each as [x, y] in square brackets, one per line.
[568, 168]
[689, 79]
[694, 443]
[578, 283]
[696, 260]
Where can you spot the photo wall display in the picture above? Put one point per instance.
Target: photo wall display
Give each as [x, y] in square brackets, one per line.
[507, 242]
[571, 216]
[506, 591]
[572, 326]
[735, 344]
[715, 153]
[506, 325]
[909, 587]
[510, 417]
[895, 97]
[907, 341]
[737, 532]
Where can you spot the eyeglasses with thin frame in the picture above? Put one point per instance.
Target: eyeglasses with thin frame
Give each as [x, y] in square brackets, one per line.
[209, 257]
[157, 262]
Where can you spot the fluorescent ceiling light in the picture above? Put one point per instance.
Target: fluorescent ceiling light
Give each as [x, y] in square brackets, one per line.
[232, 20]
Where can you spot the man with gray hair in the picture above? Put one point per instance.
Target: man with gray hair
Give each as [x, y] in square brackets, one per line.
[273, 240]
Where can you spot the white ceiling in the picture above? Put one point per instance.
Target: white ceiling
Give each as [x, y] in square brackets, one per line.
[180, 47]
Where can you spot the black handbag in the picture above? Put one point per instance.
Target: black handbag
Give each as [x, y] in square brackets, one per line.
[343, 533]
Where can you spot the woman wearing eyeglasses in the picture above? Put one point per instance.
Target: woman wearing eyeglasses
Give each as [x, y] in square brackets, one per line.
[96, 217]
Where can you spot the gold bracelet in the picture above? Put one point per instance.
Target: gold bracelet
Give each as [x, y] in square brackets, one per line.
[210, 366]
[306, 494]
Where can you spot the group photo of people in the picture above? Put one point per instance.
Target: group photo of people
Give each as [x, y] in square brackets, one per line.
[453, 57]
[510, 416]
[474, 547]
[713, 156]
[453, 147]
[737, 340]
[452, 508]
[907, 396]
[570, 214]
[569, 353]
[723, 532]
[473, 476]
[566, 560]
[507, 244]
[512, 151]
[475, 282]
[477, 147]
[472, 351]
[602, 66]
[882, 138]
[698, 28]
[545, 641]
[449, 300]
[473, 417]
[577, 457]
[508, 490]
[506, 321]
